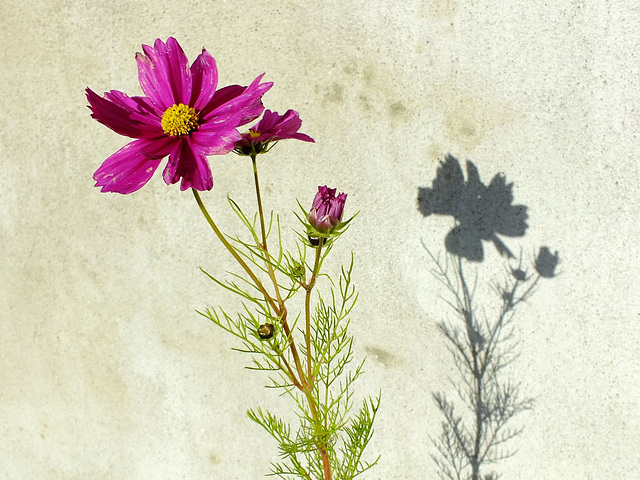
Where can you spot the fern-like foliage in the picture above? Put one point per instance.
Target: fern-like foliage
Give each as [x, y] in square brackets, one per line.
[309, 356]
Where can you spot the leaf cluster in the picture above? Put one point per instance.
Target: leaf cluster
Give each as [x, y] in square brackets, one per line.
[324, 401]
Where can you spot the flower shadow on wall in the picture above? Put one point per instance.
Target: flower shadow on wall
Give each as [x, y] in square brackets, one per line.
[477, 419]
[482, 212]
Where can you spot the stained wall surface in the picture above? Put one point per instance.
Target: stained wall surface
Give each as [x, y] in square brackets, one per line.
[106, 369]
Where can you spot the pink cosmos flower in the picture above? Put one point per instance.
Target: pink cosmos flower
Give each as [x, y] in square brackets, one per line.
[271, 128]
[182, 116]
[326, 210]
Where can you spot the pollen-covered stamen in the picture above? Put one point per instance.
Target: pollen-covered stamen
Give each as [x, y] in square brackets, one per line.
[179, 120]
[254, 133]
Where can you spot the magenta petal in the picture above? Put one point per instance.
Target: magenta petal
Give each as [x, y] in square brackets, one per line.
[245, 101]
[179, 71]
[274, 127]
[216, 141]
[303, 137]
[161, 147]
[221, 97]
[200, 178]
[153, 84]
[204, 74]
[164, 74]
[188, 163]
[336, 207]
[171, 173]
[131, 117]
[287, 126]
[127, 170]
[289, 123]
[268, 121]
[140, 105]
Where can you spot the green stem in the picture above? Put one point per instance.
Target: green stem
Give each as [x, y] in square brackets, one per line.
[292, 375]
[307, 384]
[235, 254]
[307, 308]
[272, 276]
[263, 245]
[326, 464]
[260, 211]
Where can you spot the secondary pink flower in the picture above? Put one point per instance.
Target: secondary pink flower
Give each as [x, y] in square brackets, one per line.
[326, 210]
[182, 116]
[271, 128]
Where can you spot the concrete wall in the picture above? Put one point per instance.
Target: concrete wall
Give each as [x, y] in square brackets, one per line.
[106, 370]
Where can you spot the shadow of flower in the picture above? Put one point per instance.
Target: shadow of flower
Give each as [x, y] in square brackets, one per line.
[481, 212]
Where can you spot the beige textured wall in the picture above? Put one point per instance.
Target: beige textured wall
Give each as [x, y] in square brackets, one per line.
[106, 371]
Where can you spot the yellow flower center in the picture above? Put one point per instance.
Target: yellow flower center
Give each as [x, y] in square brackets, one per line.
[253, 133]
[179, 120]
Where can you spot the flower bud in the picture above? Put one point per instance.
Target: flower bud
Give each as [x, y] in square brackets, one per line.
[297, 269]
[326, 210]
[315, 241]
[265, 331]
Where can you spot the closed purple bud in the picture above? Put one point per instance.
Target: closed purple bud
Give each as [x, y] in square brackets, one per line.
[326, 210]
